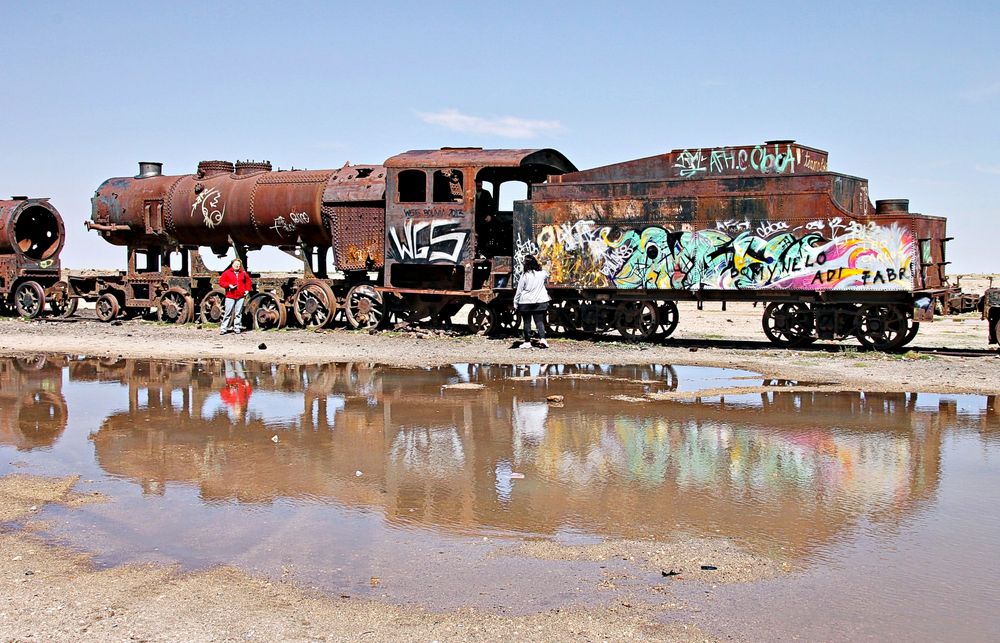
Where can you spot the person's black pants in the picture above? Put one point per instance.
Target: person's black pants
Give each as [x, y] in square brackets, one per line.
[534, 312]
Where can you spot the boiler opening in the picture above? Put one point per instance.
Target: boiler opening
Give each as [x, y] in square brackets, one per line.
[36, 233]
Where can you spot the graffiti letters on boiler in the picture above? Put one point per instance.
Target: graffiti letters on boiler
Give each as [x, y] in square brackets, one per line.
[208, 204]
[437, 241]
[816, 255]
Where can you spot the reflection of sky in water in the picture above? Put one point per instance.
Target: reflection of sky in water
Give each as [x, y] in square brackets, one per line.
[283, 409]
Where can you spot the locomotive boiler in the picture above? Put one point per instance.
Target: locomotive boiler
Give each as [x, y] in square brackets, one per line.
[163, 221]
[31, 238]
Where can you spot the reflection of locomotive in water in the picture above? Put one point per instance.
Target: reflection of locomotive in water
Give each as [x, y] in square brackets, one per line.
[33, 410]
[420, 237]
[435, 454]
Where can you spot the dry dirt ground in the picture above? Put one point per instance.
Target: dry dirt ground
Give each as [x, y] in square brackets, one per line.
[50, 593]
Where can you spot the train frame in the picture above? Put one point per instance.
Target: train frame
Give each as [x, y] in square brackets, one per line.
[421, 236]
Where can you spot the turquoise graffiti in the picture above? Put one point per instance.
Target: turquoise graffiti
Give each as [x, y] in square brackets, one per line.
[816, 256]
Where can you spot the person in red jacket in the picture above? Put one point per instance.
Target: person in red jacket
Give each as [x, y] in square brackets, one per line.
[237, 284]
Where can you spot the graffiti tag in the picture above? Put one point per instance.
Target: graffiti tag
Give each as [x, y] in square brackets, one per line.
[428, 241]
[207, 202]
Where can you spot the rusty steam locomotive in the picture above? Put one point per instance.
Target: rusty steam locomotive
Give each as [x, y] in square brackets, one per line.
[421, 236]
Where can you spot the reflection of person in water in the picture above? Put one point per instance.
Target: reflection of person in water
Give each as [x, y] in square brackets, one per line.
[236, 392]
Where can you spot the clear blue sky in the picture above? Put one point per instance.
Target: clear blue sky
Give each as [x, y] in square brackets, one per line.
[906, 94]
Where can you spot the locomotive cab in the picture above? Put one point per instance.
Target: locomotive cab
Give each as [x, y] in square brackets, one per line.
[444, 228]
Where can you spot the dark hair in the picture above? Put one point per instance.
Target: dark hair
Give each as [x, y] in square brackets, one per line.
[531, 264]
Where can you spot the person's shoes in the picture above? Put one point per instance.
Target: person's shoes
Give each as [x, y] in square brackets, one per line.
[238, 331]
[526, 345]
[223, 332]
[542, 344]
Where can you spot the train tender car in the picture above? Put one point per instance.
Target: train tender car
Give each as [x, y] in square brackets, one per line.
[164, 220]
[31, 238]
[766, 223]
[447, 242]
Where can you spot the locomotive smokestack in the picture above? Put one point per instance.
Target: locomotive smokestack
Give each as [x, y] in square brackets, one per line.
[892, 206]
[148, 169]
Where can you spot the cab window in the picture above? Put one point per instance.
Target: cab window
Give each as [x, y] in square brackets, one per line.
[412, 186]
[449, 186]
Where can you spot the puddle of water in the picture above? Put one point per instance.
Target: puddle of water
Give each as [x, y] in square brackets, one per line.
[334, 474]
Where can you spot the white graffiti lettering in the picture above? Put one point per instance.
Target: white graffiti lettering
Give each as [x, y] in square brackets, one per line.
[768, 228]
[432, 246]
[207, 202]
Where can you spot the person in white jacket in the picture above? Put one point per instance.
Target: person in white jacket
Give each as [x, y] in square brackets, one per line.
[531, 300]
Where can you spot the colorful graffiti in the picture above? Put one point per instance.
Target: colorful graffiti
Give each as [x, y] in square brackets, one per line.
[817, 255]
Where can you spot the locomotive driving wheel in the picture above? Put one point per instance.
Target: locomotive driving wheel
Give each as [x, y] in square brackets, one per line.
[882, 327]
[64, 308]
[176, 306]
[314, 304]
[212, 306]
[29, 299]
[482, 319]
[788, 324]
[507, 319]
[107, 308]
[267, 312]
[364, 307]
[60, 302]
[636, 320]
[669, 316]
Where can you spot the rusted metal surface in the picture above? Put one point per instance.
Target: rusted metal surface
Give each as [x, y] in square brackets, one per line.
[434, 236]
[31, 238]
[768, 217]
[31, 229]
[222, 204]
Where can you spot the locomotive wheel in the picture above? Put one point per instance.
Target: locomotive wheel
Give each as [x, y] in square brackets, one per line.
[482, 319]
[267, 312]
[881, 327]
[636, 320]
[107, 307]
[556, 321]
[788, 324]
[29, 299]
[364, 307]
[911, 332]
[64, 308]
[507, 319]
[176, 307]
[669, 316]
[212, 306]
[314, 304]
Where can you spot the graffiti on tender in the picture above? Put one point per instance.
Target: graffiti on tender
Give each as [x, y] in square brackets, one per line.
[207, 203]
[282, 226]
[430, 241]
[818, 255]
[768, 159]
[523, 248]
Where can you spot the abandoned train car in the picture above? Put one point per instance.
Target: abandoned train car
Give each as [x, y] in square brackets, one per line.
[423, 235]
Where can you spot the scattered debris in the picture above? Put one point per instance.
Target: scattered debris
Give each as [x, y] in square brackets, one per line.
[375, 581]
[709, 568]
[262, 346]
[358, 474]
[555, 399]
[516, 476]
[274, 438]
[671, 573]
